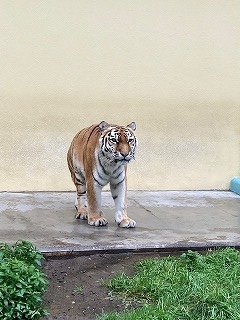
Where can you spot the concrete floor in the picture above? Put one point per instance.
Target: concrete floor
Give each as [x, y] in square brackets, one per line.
[167, 221]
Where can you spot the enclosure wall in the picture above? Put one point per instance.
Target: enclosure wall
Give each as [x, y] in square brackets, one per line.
[172, 66]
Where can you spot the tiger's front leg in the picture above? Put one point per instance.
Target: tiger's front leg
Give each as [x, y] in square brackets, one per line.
[118, 190]
[94, 194]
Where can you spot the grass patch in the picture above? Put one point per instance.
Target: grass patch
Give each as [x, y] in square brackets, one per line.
[22, 283]
[78, 290]
[190, 287]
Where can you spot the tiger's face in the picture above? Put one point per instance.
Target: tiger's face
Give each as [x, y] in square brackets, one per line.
[118, 144]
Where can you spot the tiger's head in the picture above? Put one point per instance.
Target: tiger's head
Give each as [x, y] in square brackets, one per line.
[118, 143]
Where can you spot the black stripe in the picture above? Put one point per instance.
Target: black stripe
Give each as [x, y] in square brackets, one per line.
[94, 128]
[79, 182]
[101, 165]
[107, 146]
[100, 176]
[102, 185]
[81, 193]
[79, 172]
[118, 175]
[115, 186]
[116, 169]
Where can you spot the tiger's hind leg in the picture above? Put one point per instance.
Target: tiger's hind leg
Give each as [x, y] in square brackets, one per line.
[81, 204]
[81, 199]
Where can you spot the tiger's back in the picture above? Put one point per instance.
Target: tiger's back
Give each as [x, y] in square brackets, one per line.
[82, 149]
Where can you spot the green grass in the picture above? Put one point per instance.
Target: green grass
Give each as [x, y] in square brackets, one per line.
[22, 283]
[190, 287]
[78, 290]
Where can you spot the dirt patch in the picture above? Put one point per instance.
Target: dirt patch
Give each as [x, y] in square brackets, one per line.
[76, 289]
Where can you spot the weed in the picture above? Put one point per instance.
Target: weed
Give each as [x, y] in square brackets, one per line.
[78, 290]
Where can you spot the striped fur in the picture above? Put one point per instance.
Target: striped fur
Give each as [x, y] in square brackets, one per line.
[99, 155]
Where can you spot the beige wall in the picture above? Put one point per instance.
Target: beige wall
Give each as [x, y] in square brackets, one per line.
[172, 66]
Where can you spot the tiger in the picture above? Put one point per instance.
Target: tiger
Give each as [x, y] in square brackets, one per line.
[98, 155]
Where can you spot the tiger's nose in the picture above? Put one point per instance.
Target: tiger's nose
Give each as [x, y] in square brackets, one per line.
[124, 154]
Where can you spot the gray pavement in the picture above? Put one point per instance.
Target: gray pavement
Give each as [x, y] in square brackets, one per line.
[166, 221]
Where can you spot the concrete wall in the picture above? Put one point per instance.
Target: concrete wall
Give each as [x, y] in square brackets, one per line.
[172, 66]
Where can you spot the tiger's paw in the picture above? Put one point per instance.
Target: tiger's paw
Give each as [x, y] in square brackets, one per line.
[81, 215]
[97, 220]
[127, 223]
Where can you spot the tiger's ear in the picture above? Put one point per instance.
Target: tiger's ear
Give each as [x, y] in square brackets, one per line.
[103, 125]
[132, 126]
